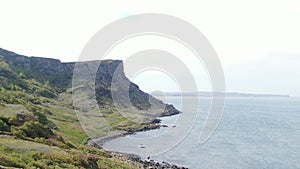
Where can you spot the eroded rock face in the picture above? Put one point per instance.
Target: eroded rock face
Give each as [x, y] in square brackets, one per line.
[59, 75]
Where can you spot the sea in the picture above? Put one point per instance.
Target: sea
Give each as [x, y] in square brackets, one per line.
[254, 133]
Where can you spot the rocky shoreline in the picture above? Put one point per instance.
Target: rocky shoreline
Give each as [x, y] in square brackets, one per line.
[98, 142]
[132, 158]
[147, 164]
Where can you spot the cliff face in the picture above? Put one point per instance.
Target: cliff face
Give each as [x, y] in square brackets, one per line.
[43, 70]
[59, 76]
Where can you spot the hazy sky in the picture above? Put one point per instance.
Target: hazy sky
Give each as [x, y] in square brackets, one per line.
[258, 41]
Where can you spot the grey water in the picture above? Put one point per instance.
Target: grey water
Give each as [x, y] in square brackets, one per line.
[255, 132]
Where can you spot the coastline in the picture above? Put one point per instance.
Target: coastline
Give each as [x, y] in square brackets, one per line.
[99, 141]
[129, 157]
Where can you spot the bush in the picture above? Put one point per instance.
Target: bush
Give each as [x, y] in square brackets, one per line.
[18, 133]
[4, 126]
[36, 130]
[36, 164]
[41, 117]
[45, 93]
[13, 121]
[10, 161]
[39, 113]
[21, 75]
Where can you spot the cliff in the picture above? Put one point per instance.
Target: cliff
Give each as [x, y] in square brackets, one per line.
[59, 76]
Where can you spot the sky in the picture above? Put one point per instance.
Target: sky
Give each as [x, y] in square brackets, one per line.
[258, 42]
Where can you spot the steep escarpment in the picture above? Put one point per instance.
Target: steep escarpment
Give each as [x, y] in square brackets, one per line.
[59, 76]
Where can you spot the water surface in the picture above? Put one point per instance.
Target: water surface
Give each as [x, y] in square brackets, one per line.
[254, 133]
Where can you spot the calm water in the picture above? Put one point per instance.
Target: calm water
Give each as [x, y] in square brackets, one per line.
[254, 133]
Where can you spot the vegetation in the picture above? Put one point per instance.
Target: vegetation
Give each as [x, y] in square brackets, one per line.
[39, 130]
[40, 133]
[3, 126]
[29, 154]
[38, 126]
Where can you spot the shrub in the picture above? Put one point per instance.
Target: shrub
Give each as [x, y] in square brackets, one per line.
[10, 161]
[36, 164]
[45, 93]
[41, 117]
[39, 113]
[4, 126]
[36, 130]
[21, 75]
[13, 121]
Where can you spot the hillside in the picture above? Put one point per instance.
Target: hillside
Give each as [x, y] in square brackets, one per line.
[38, 125]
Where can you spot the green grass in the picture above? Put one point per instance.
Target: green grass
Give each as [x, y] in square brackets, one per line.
[10, 110]
[67, 124]
[27, 154]
[50, 135]
[40, 129]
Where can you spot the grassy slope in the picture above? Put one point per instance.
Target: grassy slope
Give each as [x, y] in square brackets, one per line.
[39, 129]
[69, 152]
[29, 154]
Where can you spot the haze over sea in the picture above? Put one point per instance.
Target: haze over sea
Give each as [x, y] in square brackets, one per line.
[255, 132]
